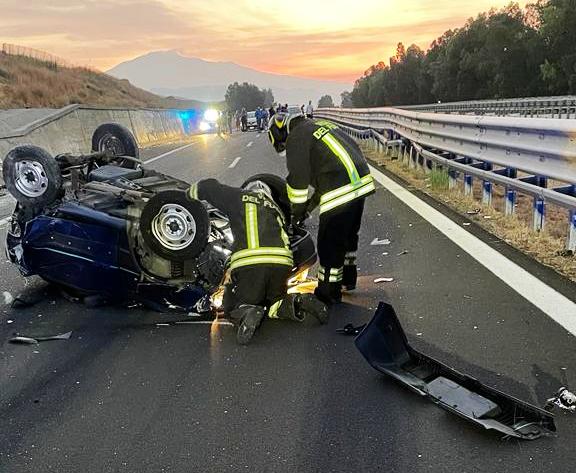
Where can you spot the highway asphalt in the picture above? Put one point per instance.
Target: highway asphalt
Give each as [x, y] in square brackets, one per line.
[126, 395]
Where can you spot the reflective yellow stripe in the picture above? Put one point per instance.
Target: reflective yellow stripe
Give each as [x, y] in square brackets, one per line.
[273, 311]
[262, 251]
[343, 156]
[283, 234]
[253, 260]
[346, 189]
[193, 191]
[297, 196]
[252, 225]
[348, 197]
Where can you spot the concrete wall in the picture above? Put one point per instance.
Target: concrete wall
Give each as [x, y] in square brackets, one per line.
[70, 130]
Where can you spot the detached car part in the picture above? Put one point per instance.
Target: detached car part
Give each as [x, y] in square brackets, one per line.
[385, 346]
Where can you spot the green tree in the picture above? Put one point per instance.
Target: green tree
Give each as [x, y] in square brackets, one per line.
[511, 52]
[346, 99]
[557, 20]
[325, 101]
[248, 96]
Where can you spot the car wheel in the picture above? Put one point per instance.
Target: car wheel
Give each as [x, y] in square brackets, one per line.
[175, 227]
[32, 176]
[277, 186]
[118, 140]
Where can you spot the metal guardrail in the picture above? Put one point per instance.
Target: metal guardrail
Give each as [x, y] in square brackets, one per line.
[532, 107]
[521, 154]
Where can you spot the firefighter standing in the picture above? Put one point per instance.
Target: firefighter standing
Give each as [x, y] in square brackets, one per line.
[261, 261]
[322, 156]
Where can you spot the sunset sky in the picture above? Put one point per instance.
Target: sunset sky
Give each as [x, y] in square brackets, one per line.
[336, 39]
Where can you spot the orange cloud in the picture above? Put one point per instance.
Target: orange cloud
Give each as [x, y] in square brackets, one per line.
[331, 40]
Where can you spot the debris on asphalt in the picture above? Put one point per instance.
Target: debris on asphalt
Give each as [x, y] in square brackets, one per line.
[350, 329]
[378, 242]
[563, 399]
[379, 280]
[8, 298]
[473, 212]
[24, 340]
[403, 252]
[35, 340]
[9, 321]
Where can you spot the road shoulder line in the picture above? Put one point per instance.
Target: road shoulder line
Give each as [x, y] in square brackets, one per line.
[548, 300]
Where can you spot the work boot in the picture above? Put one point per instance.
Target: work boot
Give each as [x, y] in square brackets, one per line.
[309, 305]
[286, 309]
[249, 318]
[329, 292]
[349, 277]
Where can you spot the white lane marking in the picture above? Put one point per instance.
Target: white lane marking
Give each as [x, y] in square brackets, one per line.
[548, 300]
[168, 153]
[249, 144]
[205, 322]
[235, 162]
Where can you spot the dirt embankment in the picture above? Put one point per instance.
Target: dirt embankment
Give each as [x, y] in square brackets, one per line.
[30, 83]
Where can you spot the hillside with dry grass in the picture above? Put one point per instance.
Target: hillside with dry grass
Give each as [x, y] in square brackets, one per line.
[30, 83]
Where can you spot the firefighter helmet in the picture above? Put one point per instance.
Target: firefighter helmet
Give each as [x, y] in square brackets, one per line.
[279, 127]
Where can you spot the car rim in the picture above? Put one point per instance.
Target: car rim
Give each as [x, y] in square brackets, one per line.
[174, 227]
[111, 143]
[31, 179]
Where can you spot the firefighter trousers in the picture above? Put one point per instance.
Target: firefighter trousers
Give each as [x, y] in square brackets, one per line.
[337, 246]
[263, 285]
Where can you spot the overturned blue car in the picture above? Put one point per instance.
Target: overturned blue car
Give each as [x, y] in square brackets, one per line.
[104, 225]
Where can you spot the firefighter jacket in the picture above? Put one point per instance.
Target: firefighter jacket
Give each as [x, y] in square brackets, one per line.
[321, 155]
[256, 222]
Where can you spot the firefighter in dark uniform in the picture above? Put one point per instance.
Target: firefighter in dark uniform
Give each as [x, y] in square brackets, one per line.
[261, 262]
[322, 156]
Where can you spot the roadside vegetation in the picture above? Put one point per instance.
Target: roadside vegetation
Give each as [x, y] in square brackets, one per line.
[247, 96]
[31, 83]
[512, 52]
[547, 246]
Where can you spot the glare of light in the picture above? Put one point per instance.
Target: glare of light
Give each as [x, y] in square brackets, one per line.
[211, 115]
[302, 284]
[204, 126]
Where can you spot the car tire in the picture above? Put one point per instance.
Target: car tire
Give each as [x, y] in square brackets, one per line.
[32, 176]
[119, 140]
[278, 187]
[190, 221]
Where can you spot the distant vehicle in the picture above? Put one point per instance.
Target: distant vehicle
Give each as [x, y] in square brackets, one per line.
[252, 123]
[210, 121]
[105, 225]
[294, 109]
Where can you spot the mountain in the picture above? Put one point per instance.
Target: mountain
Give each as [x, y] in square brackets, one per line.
[31, 83]
[170, 73]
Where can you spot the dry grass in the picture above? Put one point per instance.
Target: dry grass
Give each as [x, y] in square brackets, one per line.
[29, 83]
[546, 246]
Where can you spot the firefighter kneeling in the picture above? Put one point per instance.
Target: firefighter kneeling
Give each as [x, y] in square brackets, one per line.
[261, 261]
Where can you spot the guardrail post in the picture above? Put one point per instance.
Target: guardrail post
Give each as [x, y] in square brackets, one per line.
[487, 193]
[571, 243]
[539, 205]
[452, 179]
[510, 205]
[468, 182]
[539, 214]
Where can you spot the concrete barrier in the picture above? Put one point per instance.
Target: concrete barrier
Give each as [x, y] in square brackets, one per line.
[69, 130]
